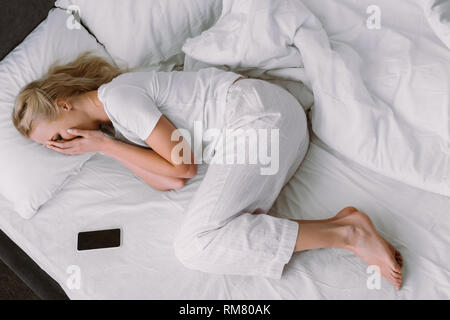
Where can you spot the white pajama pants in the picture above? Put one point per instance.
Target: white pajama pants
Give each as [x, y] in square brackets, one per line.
[224, 231]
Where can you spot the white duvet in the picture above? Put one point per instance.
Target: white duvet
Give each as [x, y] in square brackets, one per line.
[380, 76]
[438, 16]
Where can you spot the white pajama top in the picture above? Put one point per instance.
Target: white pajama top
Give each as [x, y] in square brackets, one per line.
[135, 101]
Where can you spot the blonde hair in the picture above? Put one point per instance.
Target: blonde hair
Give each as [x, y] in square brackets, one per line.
[36, 100]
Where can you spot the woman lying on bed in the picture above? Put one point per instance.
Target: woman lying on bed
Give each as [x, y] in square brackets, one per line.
[226, 229]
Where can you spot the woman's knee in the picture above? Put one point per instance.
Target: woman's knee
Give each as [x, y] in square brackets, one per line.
[189, 246]
[184, 249]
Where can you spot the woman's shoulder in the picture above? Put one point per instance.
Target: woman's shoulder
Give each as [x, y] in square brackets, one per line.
[123, 81]
[140, 78]
[136, 78]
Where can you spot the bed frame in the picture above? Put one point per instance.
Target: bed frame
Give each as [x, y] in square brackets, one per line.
[19, 18]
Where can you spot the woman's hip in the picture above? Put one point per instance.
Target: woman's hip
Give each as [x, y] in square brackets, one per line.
[260, 104]
[263, 122]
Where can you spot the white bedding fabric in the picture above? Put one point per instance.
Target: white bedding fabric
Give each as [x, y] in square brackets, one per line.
[143, 33]
[438, 15]
[381, 95]
[107, 195]
[389, 89]
[255, 34]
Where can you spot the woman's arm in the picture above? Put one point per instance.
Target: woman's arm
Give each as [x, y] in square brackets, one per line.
[159, 160]
[158, 182]
[95, 141]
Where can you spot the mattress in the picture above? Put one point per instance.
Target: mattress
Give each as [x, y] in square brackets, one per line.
[107, 195]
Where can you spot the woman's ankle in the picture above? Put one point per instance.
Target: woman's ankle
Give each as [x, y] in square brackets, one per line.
[322, 235]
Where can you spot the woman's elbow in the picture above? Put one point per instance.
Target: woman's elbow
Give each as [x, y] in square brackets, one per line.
[190, 171]
[177, 184]
[174, 184]
[187, 171]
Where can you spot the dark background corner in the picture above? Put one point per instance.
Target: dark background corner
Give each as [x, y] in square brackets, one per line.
[18, 19]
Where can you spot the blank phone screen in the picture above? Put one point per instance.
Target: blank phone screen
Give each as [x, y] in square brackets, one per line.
[100, 239]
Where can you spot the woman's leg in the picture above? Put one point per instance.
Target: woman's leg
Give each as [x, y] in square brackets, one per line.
[219, 233]
[222, 233]
[352, 230]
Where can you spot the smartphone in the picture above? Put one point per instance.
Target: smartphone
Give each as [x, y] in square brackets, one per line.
[101, 239]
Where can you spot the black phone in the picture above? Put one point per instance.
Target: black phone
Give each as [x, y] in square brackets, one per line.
[101, 239]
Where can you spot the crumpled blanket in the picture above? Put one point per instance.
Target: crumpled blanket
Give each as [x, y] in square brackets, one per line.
[381, 90]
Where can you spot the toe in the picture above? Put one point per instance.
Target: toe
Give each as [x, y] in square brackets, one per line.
[397, 268]
[395, 282]
[396, 276]
[399, 261]
[396, 272]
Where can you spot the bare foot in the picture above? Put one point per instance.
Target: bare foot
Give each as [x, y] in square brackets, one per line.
[348, 211]
[396, 253]
[365, 242]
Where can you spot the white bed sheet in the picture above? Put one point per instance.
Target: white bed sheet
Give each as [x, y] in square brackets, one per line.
[106, 195]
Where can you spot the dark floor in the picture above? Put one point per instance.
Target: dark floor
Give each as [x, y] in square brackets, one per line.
[12, 288]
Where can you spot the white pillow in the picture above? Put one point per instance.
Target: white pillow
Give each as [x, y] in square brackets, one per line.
[143, 33]
[31, 173]
[438, 15]
[241, 41]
